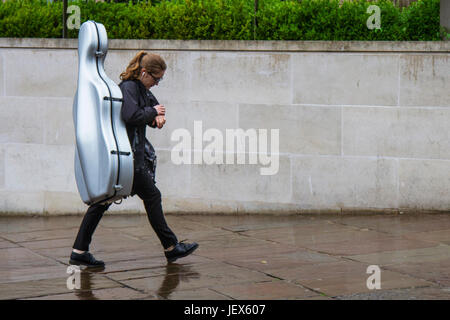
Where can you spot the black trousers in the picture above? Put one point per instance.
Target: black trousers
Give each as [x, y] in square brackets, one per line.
[145, 188]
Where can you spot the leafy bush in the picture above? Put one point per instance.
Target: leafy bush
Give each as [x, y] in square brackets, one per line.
[422, 20]
[227, 19]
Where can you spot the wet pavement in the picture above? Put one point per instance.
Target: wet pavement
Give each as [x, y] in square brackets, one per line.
[240, 257]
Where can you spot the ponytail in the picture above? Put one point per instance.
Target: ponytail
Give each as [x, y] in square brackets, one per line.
[132, 71]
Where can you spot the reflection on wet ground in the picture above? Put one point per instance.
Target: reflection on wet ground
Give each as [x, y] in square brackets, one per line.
[240, 257]
[84, 288]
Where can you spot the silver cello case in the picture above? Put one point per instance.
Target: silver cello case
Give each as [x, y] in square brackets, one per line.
[103, 155]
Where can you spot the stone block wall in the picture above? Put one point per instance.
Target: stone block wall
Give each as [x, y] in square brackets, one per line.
[363, 126]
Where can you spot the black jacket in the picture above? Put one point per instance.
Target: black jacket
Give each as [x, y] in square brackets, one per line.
[137, 112]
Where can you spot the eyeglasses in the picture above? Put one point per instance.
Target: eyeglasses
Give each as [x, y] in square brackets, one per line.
[157, 80]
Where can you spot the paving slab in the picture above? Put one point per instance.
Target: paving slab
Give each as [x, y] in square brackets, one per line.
[261, 250]
[428, 293]
[301, 234]
[269, 290]
[120, 293]
[39, 288]
[399, 224]
[13, 258]
[367, 246]
[206, 276]
[17, 224]
[357, 283]
[196, 294]
[434, 254]
[69, 233]
[241, 257]
[48, 244]
[439, 236]
[431, 271]
[7, 244]
[22, 273]
[265, 262]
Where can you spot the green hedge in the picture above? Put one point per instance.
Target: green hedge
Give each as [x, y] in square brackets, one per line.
[228, 19]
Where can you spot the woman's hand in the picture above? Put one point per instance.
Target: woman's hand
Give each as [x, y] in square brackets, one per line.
[160, 109]
[160, 121]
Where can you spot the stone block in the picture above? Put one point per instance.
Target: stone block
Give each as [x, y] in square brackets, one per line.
[198, 205]
[40, 73]
[2, 74]
[172, 179]
[425, 80]
[241, 77]
[21, 120]
[334, 182]
[397, 132]
[18, 202]
[60, 203]
[241, 182]
[345, 79]
[302, 129]
[424, 184]
[2, 166]
[58, 126]
[35, 167]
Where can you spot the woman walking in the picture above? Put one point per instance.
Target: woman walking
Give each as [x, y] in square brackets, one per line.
[139, 109]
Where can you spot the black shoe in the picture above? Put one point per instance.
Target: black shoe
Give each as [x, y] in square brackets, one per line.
[85, 259]
[181, 250]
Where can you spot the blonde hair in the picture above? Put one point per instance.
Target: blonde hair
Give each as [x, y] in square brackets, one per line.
[151, 62]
